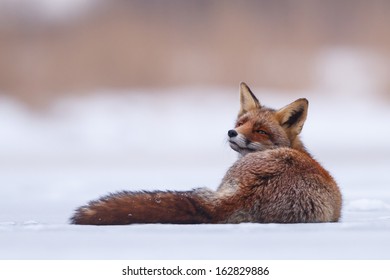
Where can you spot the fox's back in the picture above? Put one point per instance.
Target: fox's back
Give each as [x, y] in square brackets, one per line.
[282, 185]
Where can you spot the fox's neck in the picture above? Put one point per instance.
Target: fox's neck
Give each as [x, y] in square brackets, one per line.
[297, 144]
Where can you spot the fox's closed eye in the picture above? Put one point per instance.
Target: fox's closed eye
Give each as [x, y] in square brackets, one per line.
[260, 131]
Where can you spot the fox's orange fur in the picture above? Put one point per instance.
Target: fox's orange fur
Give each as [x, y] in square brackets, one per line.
[275, 180]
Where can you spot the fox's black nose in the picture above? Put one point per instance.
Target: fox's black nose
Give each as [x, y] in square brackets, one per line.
[232, 133]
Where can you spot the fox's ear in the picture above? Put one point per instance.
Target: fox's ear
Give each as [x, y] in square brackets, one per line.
[293, 116]
[248, 100]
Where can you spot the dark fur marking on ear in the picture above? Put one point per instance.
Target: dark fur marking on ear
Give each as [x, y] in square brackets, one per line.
[253, 96]
[294, 117]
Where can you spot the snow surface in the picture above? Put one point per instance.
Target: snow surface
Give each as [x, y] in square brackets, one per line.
[53, 162]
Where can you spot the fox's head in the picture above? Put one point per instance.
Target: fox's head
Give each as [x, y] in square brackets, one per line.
[259, 128]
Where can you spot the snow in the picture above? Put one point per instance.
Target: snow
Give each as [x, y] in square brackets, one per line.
[52, 162]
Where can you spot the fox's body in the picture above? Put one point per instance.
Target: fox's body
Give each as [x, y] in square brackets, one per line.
[275, 180]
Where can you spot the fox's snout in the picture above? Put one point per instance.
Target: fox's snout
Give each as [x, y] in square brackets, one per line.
[238, 142]
[232, 133]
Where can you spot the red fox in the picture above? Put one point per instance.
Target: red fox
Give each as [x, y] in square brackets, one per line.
[275, 180]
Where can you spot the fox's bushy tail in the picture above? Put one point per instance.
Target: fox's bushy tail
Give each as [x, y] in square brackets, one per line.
[145, 207]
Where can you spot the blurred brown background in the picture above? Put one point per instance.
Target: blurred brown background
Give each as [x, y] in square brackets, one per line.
[52, 48]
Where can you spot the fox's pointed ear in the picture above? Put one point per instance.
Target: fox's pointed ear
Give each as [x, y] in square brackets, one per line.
[248, 100]
[293, 116]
